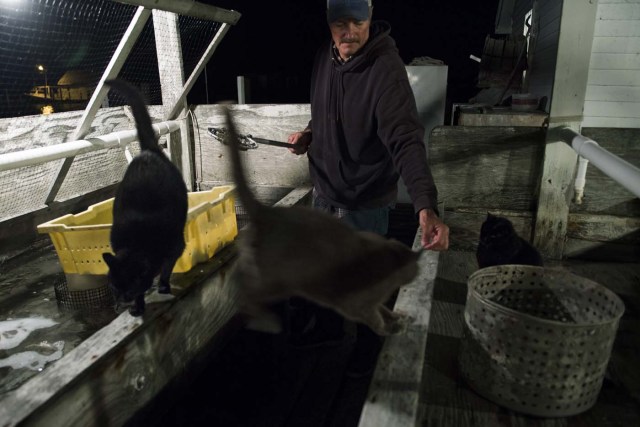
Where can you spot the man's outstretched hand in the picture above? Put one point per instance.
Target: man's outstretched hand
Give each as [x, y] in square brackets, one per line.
[435, 233]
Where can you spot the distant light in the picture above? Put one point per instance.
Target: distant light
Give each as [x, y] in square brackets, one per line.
[39, 67]
[47, 109]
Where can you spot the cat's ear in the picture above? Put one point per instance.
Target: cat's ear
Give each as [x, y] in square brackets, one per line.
[109, 259]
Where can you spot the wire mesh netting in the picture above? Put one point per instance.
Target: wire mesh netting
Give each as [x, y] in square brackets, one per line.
[53, 54]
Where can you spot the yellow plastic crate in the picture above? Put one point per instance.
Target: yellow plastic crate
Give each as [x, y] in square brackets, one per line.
[81, 239]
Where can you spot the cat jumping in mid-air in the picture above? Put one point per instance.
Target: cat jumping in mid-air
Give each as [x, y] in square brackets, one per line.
[500, 245]
[149, 215]
[303, 252]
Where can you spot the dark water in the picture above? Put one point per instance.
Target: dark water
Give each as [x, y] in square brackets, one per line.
[34, 330]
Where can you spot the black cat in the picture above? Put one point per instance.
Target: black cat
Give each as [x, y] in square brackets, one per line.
[500, 244]
[149, 215]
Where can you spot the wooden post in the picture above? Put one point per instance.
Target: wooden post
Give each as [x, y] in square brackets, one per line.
[171, 69]
[574, 52]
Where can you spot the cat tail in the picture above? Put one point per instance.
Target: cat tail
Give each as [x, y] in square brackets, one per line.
[245, 195]
[146, 136]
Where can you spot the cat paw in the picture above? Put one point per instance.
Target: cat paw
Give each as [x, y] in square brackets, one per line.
[136, 311]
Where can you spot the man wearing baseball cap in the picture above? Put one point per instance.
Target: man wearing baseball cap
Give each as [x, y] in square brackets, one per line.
[363, 135]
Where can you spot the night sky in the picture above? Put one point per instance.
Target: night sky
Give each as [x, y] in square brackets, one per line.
[276, 42]
[273, 45]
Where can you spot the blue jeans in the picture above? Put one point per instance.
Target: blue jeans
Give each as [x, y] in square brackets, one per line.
[375, 220]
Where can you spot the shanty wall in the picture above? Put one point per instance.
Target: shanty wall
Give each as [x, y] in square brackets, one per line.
[498, 169]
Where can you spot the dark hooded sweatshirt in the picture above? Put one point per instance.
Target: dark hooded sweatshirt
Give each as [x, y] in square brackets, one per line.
[365, 128]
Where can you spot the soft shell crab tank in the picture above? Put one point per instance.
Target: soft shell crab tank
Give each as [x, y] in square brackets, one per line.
[62, 366]
[34, 331]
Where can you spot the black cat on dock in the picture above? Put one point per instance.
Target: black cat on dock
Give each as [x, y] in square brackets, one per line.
[500, 245]
[149, 214]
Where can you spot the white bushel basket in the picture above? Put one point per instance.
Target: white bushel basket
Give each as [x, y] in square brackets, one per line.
[537, 340]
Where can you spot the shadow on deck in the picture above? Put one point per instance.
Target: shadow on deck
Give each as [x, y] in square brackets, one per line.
[259, 380]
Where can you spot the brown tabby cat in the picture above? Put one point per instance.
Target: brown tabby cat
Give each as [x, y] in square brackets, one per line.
[300, 251]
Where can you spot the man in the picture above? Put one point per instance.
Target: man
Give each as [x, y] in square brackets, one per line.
[365, 131]
[365, 127]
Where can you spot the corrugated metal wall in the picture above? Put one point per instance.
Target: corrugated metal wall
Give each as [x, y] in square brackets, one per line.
[613, 87]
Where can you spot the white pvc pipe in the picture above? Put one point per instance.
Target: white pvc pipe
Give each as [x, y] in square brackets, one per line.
[623, 172]
[581, 180]
[40, 155]
[241, 90]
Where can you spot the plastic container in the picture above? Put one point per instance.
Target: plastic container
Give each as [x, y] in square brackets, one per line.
[81, 239]
[537, 341]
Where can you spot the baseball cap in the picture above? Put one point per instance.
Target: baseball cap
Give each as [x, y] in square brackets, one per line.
[357, 9]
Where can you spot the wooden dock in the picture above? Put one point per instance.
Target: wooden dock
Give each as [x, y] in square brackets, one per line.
[259, 379]
[445, 399]
[189, 362]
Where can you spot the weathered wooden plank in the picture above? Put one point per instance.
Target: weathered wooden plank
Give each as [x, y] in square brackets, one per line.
[624, 45]
[171, 71]
[455, 267]
[619, 28]
[297, 196]
[393, 394]
[442, 387]
[610, 122]
[622, 142]
[116, 371]
[623, 279]
[447, 319]
[44, 130]
[553, 202]
[603, 237]
[497, 118]
[25, 189]
[617, 12]
[452, 416]
[574, 50]
[569, 87]
[615, 61]
[464, 225]
[486, 167]
[612, 93]
[121, 367]
[601, 251]
[604, 228]
[603, 196]
[612, 108]
[265, 165]
[446, 399]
